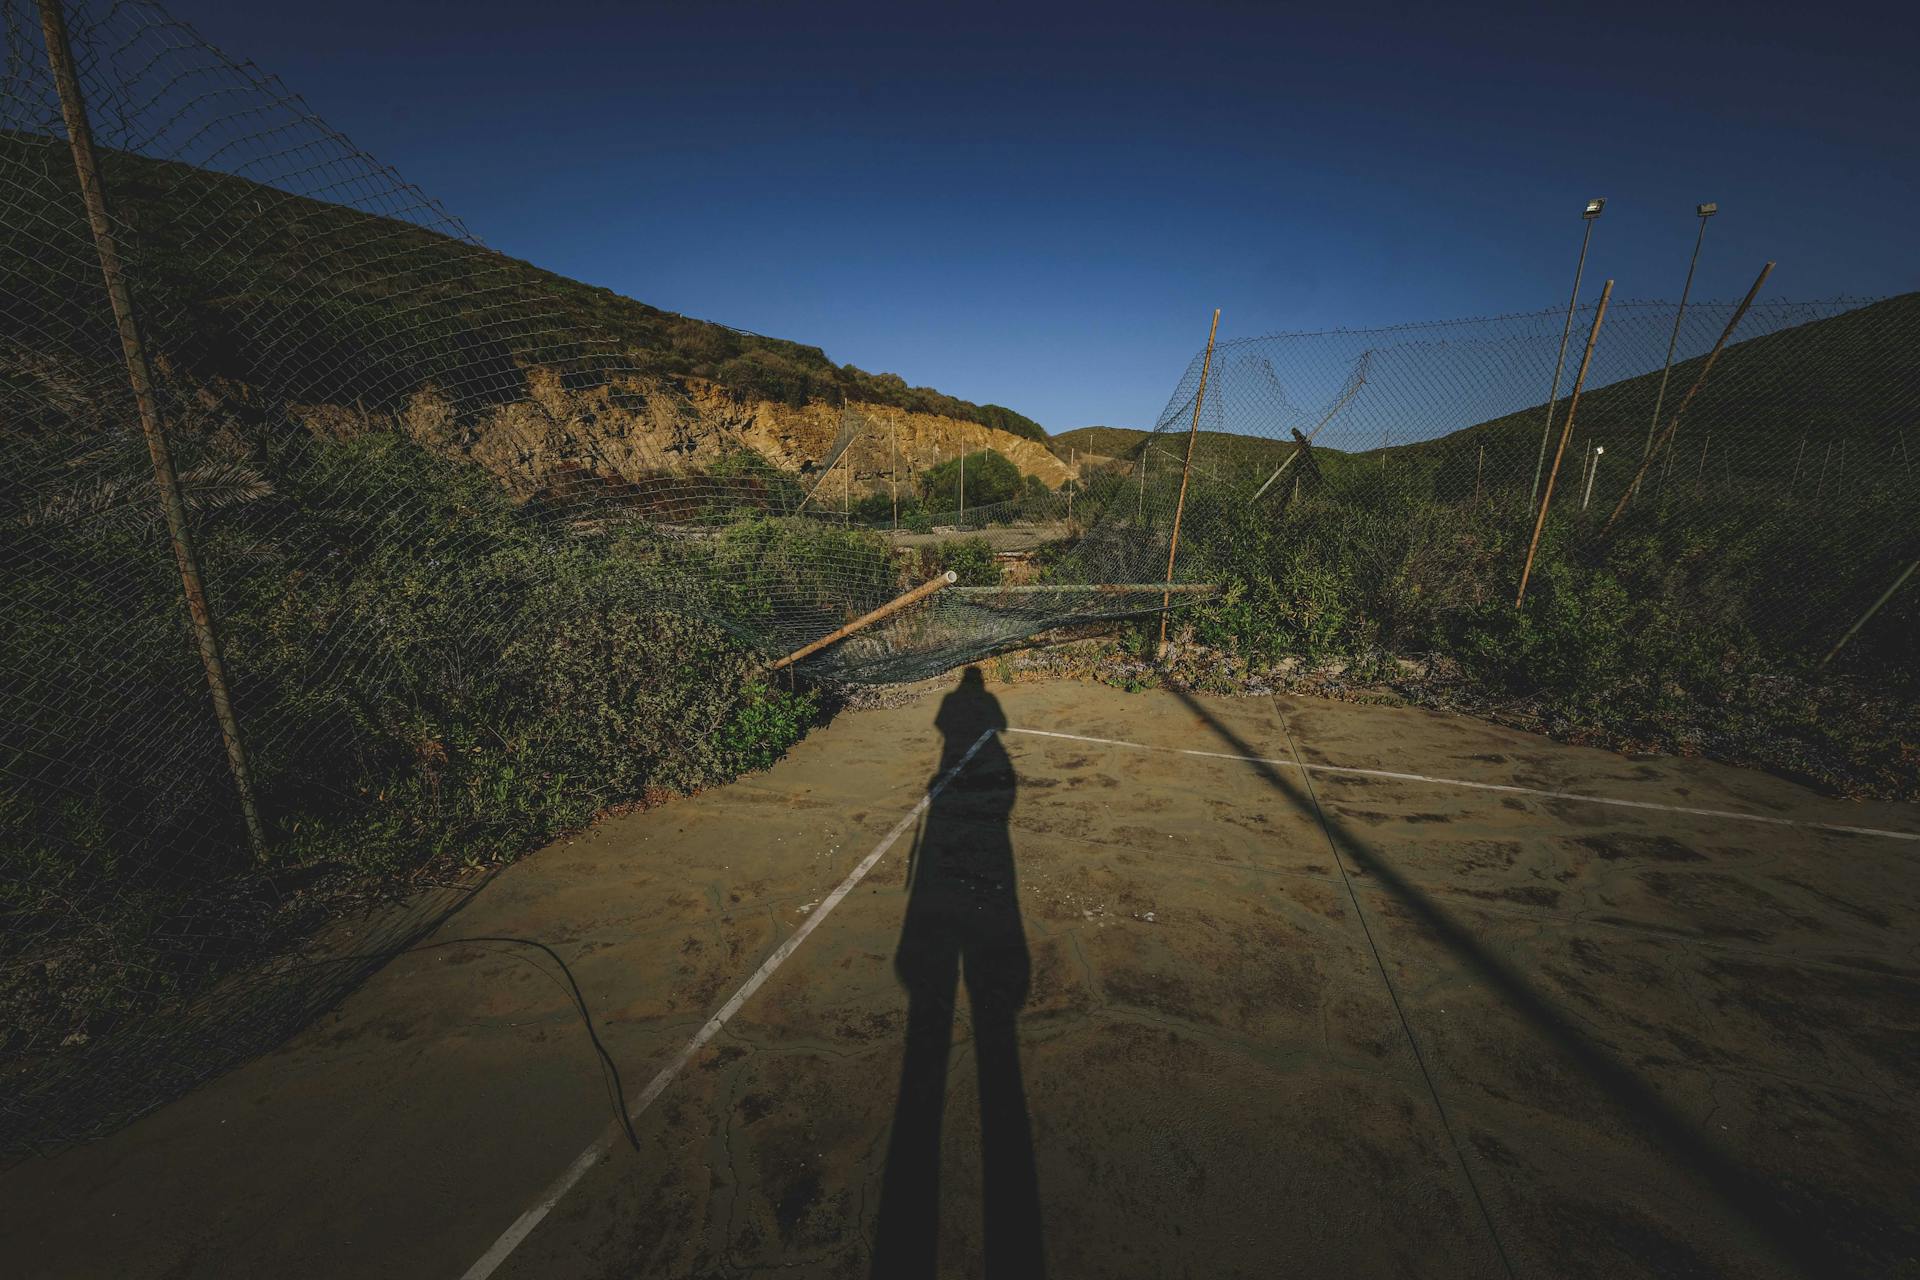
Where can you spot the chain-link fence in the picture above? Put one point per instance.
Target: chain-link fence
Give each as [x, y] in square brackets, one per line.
[1719, 553]
[1799, 438]
[476, 564]
[357, 553]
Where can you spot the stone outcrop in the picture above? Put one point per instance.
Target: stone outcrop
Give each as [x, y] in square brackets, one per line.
[633, 431]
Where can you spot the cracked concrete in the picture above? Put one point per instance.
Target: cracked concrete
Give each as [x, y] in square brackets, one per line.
[1665, 1044]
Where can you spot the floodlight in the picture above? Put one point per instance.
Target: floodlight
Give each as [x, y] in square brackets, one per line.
[1594, 206]
[1708, 209]
[1599, 448]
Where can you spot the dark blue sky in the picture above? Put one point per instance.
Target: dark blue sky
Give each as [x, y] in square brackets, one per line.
[1038, 206]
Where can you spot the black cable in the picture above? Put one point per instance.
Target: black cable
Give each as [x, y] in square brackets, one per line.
[609, 1071]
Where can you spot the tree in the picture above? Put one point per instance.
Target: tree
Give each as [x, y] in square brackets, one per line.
[990, 478]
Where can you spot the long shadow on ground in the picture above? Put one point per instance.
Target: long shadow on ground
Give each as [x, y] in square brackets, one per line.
[1810, 1234]
[963, 916]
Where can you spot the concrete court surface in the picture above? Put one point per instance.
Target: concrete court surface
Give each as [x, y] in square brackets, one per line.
[1140, 1013]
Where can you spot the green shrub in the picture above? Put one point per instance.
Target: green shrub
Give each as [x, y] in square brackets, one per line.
[425, 674]
[972, 559]
[766, 720]
[1705, 626]
[990, 478]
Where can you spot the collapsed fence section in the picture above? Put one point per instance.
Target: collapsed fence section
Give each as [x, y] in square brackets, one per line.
[475, 561]
[480, 561]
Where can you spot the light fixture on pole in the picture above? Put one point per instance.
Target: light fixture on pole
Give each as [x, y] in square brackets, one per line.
[1589, 214]
[1702, 212]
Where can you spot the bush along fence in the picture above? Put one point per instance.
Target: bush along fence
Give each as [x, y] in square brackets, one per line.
[1702, 536]
[342, 554]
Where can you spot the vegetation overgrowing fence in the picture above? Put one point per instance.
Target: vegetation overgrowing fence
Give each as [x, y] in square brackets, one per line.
[1366, 500]
[478, 561]
[458, 552]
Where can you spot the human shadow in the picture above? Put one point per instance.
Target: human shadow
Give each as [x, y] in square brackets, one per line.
[962, 919]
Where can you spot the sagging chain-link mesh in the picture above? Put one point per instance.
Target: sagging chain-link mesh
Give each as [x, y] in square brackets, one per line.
[425, 481]
[1797, 457]
[420, 473]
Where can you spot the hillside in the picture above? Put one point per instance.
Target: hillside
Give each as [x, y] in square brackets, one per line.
[1100, 442]
[357, 305]
[1211, 449]
[1848, 378]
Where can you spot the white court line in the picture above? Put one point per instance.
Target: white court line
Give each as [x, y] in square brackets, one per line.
[523, 1225]
[1490, 786]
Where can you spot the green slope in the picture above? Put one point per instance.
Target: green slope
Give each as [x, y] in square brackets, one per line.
[1109, 442]
[1848, 378]
[356, 305]
[1211, 449]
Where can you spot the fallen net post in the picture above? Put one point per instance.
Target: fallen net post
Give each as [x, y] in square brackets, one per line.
[886, 610]
[1872, 609]
[1303, 443]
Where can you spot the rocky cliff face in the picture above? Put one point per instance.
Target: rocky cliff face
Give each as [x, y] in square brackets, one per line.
[885, 441]
[640, 430]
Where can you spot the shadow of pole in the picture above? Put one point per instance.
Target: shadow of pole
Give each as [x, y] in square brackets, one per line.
[963, 921]
[1778, 1222]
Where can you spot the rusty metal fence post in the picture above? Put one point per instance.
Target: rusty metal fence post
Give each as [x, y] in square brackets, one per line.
[1186, 470]
[140, 377]
[1673, 424]
[866, 620]
[1573, 407]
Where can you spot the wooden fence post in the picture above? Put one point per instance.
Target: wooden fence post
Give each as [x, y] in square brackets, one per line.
[866, 620]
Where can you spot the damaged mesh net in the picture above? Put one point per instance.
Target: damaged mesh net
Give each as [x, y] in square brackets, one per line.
[410, 465]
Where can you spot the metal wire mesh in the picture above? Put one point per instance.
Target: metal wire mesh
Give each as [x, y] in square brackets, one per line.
[425, 479]
[1799, 440]
[425, 482]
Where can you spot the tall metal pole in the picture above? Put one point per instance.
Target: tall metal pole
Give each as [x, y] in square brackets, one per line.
[1573, 406]
[140, 377]
[1703, 212]
[1594, 206]
[1186, 469]
[893, 462]
[1700, 380]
